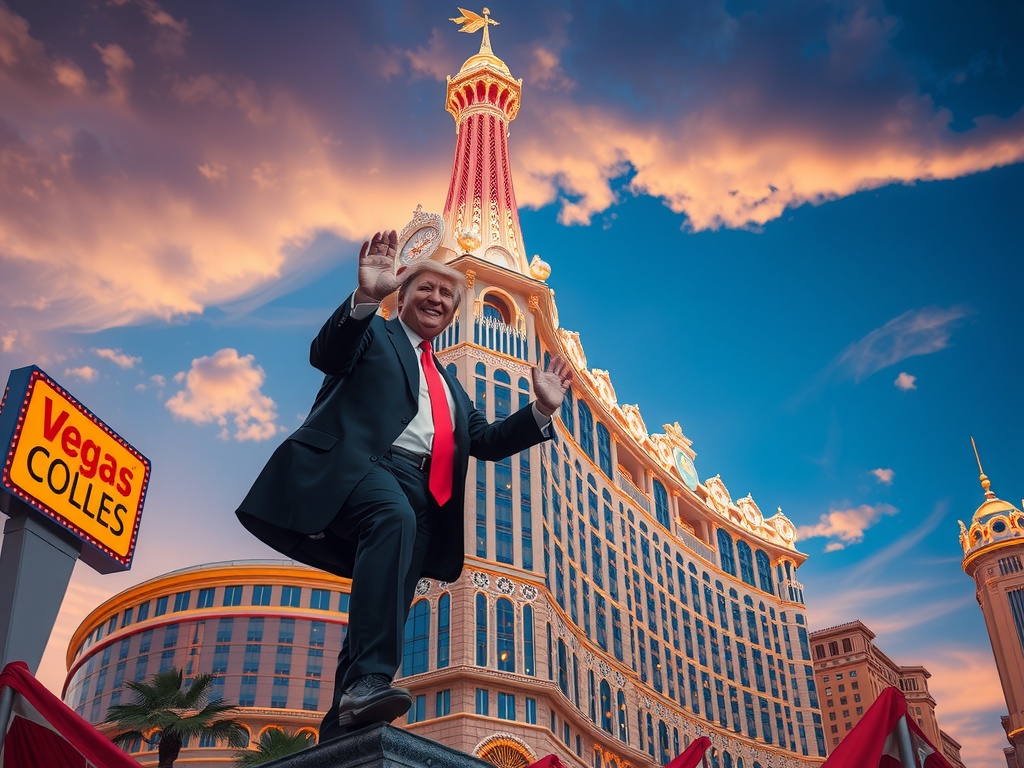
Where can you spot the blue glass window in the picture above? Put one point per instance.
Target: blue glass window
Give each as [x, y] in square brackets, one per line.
[417, 639]
[661, 505]
[481, 630]
[482, 701]
[746, 558]
[503, 510]
[506, 635]
[586, 429]
[290, 596]
[606, 706]
[604, 449]
[444, 608]
[764, 572]
[443, 703]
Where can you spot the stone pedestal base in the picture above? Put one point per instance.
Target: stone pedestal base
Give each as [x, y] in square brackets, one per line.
[380, 746]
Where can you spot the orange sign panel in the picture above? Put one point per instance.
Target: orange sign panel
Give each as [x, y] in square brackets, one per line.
[67, 464]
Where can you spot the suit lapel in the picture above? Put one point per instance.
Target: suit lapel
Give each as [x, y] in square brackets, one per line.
[406, 355]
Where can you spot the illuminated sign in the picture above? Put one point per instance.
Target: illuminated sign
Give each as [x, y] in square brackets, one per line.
[65, 463]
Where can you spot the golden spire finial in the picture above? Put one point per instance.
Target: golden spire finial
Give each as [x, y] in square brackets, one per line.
[473, 22]
[985, 482]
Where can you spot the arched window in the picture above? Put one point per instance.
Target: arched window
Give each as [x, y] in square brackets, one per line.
[661, 505]
[606, 707]
[620, 701]
[764, 572]
[528, 662]
[664, 755]
[725, 552]
[444, 610]
[746, 558]
[417, 639]
[563, 667]
[567, 412]
[496, 308]
[506, 635]
[481, 630]
[604, 449]
[586, 429]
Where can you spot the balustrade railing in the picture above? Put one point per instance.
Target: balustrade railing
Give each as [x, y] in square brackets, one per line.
[698, 547]
[492, 333]
[449, 337]
[626, 486]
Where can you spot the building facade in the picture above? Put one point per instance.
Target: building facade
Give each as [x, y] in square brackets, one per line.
[263, 629]
[851, 671]
[993, 548]
[614, 606]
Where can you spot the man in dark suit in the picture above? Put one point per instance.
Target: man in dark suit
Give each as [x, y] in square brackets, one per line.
[371, 485]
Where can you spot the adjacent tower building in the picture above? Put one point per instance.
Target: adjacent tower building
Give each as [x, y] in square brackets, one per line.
[994, 557]
[852, 671]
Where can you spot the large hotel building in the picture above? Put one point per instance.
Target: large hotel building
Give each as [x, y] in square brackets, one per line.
[613, 606]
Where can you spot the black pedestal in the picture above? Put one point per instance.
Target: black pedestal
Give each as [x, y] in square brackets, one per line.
[380, 746]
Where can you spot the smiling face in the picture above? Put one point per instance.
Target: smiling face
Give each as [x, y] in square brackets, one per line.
[427, 303]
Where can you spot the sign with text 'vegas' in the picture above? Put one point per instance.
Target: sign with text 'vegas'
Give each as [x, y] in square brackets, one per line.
[65, 463]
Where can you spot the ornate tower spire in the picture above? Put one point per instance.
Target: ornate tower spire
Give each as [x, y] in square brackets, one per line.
[480, 212]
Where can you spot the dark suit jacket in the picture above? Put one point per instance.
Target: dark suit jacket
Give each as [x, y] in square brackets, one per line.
[368, 397]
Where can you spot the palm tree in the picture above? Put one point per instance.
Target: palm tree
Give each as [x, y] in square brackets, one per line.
[273, 744]
[160, 704]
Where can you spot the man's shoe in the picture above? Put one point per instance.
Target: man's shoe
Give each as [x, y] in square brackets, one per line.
[372, 699]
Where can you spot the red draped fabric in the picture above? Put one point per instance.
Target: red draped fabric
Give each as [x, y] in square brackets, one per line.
[873, 741]
[548, 761]
[44, 732]
[691, 756]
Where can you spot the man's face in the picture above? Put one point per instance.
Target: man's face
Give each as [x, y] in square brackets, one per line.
[428, 305]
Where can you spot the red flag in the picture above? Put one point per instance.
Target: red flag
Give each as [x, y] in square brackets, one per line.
[874, 741]
[690, 758]
[548, 761]
[43, 730]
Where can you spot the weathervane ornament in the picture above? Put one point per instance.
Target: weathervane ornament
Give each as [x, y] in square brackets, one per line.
[473, 22]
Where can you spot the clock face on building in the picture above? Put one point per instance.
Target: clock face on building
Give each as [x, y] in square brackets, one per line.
[685, 468]
[420, 244]
[785, 529]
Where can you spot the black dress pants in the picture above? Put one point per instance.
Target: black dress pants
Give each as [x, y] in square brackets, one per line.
[388, 515]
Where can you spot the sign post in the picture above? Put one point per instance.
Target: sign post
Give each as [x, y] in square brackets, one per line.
[73, 490]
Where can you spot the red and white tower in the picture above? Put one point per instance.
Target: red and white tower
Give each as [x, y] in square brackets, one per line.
[480, 213]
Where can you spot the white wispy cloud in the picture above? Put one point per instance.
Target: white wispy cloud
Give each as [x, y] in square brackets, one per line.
[914, 333]
[884, 476]
[83, 372]
[118, 358]
[224, 389]
[906, 382]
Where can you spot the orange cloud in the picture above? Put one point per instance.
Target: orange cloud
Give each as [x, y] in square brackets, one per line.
[884, 476]
[846, 526]
[226, 387]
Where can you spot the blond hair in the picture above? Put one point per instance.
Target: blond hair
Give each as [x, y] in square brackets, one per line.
[452, 275]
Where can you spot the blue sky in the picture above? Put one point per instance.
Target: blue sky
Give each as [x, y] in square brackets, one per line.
[794, 228]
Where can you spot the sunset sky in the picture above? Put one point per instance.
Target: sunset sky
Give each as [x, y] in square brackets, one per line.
[793, 227]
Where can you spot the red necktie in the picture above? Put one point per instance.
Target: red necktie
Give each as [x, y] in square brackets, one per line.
[442, 457]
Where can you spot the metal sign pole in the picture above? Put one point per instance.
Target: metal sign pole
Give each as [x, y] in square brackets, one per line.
[906, 746]
[36, 562]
